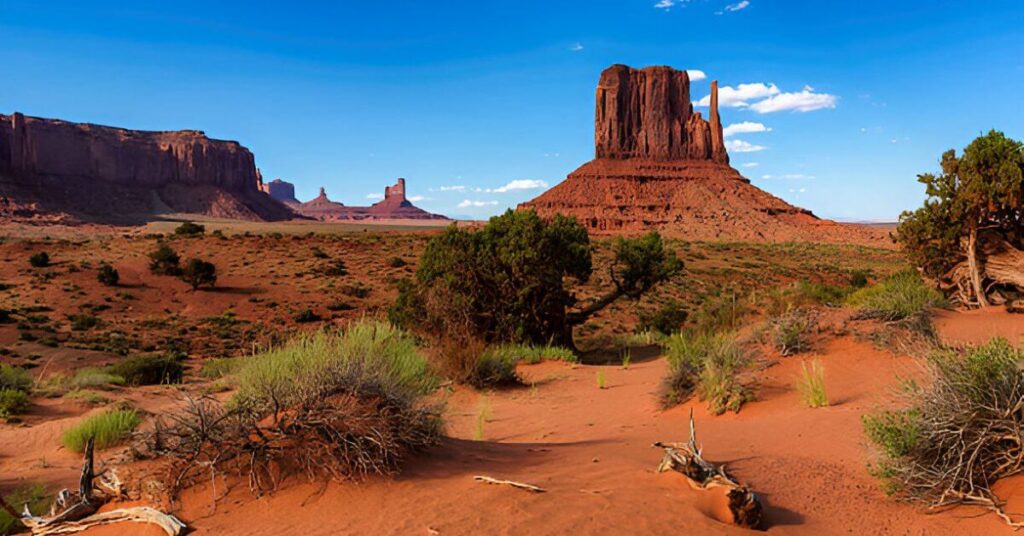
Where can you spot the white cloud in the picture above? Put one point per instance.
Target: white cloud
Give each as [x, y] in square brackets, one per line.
[738, 6]
[457, 188]
[466, 203]
[798, 176]
[740, 146]
[741, 95]
[746, 127]
[417, 198]
[520, 184]
[576, 47]
[696, 74]
[804, 101]
[375, 196]
[750, 165]
[664, 4]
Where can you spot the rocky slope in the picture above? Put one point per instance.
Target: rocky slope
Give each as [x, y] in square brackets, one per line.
[660, 165]
[53, 169]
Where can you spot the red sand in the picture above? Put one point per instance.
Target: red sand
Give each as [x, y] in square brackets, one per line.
[978, 326]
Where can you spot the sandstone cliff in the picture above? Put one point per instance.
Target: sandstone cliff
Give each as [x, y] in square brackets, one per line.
[394, 206]
[282, 191]
[660, 165]
[95, 172]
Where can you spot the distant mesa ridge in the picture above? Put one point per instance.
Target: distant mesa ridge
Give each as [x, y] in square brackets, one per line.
[660, 165]
[394, 206]
[57, 169]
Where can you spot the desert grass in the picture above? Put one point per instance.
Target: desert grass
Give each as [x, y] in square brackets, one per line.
[33, 496]
[601, 380]
[483, 413]
[811, 384]
[108, 429]
[902, 296]
[791, 332]
[708, 365]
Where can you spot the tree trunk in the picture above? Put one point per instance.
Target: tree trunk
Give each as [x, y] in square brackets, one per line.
[972, 263]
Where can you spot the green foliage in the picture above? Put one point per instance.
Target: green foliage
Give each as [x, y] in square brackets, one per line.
[94, 377]
[333, 268]
[17, 378]
[33, 495]
[148, 370]
[13, 402]
[721, 312]
[981, 188]
[220, 367]
[494, 368]
[904, 295]
[107, 275]
[368, 358]
[189, 229]
[397, 262]
[107, 429]
[39, 260]
[164, 260]
[319, 253]
[790, 332]
[83, 321]
[601, 379]
[198, 273]
[811, 385]
[306, 315]
[667, 319]
[859, 278]
[507, 281]
[707, 364]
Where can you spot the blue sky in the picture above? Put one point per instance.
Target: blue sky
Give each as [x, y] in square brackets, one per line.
[479, 104]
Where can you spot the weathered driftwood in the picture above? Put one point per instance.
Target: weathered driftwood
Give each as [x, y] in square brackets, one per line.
[687, 458]
[75, 512]
[520, 485]
[1000, 264]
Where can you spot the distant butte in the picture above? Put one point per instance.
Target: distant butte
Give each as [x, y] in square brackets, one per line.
[660, 165]
[394, 206]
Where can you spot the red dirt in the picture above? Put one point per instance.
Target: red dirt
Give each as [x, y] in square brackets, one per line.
[978, 326]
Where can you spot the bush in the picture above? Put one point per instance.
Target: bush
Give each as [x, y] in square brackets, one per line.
[16, 378]
[790, 332]
[148, 370]
[34, 496]
[94, 377]
[198, 273]
[721, 312]
[164, 261]
[859, 278]
[39, 260]
[306, 315]
[220, 367]
[107, 275]
[397, 262]
[902, 296]
[107, 429]
[959, 432]
[668, 319]
[811, 385]
[189, 229]
[13, 402]
[494, 368]
[708, 365]
[333, 268]
[83, 321]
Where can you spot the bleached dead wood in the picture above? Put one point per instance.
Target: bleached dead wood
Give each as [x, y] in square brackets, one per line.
[171, 525]
[520, 485]
[687, 458]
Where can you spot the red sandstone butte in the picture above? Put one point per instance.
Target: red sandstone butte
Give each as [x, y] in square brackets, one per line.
[394, 206]
[660, 165]
[85, 171]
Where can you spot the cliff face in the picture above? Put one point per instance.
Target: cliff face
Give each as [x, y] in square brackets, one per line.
[41, 158]
[647, 113]
[394, 206]
[282, 191]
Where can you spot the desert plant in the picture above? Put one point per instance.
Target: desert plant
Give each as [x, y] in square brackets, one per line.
[17, 378]
[667, 319]
[164, 261]
[790, 332]
[198, 273]
[107, 275]
[600, 379]
[39, 260]
[958, 432]
[494, 368]
[83, 321]
[189, 229]
[707, 364]
[148, 370]
[220, 367]
[333, 268]
[94, 377]
[626, 356]
[306, 315]
[33, 497]
[107, 429]
[397, 262]
[483, 413]
[720, 313]
[902, 296]
[319, 253]
[13, 402]
[811, 385]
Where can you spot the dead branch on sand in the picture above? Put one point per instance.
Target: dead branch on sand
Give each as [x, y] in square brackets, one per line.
[520, 485]
[75, 512]
[687, 458]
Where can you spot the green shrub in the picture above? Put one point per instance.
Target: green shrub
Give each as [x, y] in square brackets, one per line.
[107, 429]
[722, 312]
[148, 370]
[790, 332]
[495, 368]
[107, 275]
[707, 364]
[17, 378]
[958, 432]
[220, 367]
[198, 273]
[397, 262]
[83, 321]
[189, 229]
[356, 291]
[33, 495]
[319, 253]
[13, 402]
[859, 278]
[811, 385]
[164, 261]
[306, 315]
[333, 268]
[94, 377]
[39, 260]
[668, 319]
[902, 296]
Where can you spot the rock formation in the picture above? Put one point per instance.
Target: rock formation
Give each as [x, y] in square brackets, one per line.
[660, 165]
[280, 190]
[89, 171]
[394, 206]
